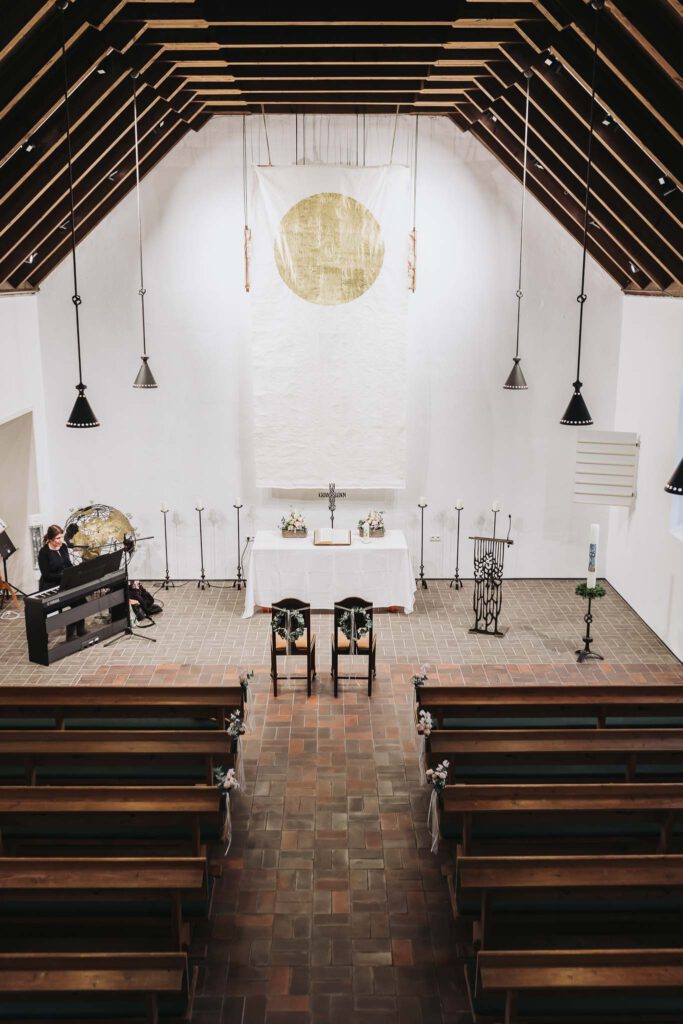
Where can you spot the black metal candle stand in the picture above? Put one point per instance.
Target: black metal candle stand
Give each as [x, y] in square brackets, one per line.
[421, 578]
[585, 652]
[240, 579]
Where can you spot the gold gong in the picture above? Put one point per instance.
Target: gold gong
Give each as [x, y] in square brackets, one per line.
[329, 249]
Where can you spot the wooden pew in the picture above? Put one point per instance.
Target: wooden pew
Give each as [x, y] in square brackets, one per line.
[118, 707]
[620, 986]
[48, 819]
[565, 816]
[536, 754]
[554, 706]
[54, 903]
[108, 987]
[101, 757]
[569, 901]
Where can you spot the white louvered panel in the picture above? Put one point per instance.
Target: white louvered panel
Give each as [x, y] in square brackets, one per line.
[606, 467]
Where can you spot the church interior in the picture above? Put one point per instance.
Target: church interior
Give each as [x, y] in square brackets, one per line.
[341, 513]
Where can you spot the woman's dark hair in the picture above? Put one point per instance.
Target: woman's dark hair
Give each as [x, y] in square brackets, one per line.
[52, 532]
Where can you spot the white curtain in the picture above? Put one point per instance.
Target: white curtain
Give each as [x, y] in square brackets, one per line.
[329, 323]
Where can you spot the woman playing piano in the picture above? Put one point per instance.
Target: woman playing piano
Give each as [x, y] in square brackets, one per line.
[53, 558]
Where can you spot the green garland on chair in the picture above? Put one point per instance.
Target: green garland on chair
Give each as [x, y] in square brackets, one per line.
[297, 625]
[362, 619]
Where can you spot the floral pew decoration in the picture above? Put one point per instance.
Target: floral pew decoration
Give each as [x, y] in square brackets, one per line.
[244, 677]
[437, 779]
[236, 728]
[227, 783]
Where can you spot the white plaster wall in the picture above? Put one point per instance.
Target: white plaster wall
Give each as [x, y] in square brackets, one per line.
[25, 472]
[191, 437]
[645, 558]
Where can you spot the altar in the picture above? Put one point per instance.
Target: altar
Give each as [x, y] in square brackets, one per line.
[379, 571]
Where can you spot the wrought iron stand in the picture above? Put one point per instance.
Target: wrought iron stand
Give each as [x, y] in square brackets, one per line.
[240, 579]
[585, 652]
[489, 555]
[202, 582]
[421, 579]
[167, 581]
[456, 582]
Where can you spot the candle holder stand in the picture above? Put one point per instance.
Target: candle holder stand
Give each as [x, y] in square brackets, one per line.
[240, 579]
[202, 582]
[583, 653]
[456, 582]
[421, 578]
[167, 582]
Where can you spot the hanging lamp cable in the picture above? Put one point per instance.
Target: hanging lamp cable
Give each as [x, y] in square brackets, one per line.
[265, 128]
[412, 267]
[245, 199]
[141, 290]
[393, 138]
[76, 299]
[519, 293]
[581, 298]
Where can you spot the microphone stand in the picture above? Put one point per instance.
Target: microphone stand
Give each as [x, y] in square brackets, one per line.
[129, 631]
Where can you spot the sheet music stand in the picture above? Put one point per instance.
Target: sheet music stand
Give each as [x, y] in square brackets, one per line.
[489, 556]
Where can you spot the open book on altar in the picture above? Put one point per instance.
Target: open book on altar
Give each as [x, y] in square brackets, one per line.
[330, 536]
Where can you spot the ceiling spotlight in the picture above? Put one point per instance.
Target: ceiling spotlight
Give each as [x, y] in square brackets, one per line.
[539, 166]
[64, 226]
[32, 258]
[100, 70]
[549, 61]
[29, 146]
[494, 118]
[666, 187]
[632, 267]
[607, 120]
[113, 175]
[594, 224]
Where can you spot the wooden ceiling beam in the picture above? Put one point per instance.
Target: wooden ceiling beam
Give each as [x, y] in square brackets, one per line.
[570, 213]
[575, 98]
[53, 210]
[98, 204]
[657, 28]
[19, 20]
[606, 209]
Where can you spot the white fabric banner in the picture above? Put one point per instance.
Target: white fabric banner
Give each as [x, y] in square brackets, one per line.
[329, 300]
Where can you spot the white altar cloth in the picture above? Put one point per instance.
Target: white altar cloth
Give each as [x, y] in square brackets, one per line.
[280, 567]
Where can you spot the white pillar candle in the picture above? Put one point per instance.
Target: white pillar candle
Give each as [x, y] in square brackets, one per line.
[459, 505]
[164, 506]
[199, 506]
[592, 575]
[495, 507]
[422, 501]
[237, 502]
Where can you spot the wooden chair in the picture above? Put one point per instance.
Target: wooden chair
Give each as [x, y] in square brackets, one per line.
[110, 987]
[343, 645]
[282, 646]
[576, 986]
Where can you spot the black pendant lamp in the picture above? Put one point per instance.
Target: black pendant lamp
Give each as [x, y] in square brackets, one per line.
[145, 377]
[516, 381]
[81, 414]
[675, 484]
[576, 413]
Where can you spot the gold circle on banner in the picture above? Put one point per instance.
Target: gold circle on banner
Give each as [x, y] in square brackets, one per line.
[329, 249]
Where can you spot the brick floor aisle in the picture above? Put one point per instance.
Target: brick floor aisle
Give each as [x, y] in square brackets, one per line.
[331, 907]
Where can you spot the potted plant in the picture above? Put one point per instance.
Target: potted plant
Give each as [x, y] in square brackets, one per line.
[293, 525]
[375, 523]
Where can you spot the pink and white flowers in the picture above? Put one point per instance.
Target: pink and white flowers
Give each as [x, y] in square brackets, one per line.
[420, 677]
[374, 519]
[226, 780]
[235, 726]
[438, 777]
[294, 522]
[425, 723]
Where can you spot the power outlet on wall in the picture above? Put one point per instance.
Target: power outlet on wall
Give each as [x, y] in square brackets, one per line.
[435, 536]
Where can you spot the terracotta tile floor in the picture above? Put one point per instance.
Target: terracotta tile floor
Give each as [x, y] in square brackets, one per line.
[331, 907]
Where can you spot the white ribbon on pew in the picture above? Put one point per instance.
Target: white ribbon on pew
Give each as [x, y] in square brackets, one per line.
[227, 825]
[422, 758]
[433, 823]
[239, 767]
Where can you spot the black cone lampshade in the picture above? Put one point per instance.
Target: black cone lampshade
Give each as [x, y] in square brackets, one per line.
[145, 377]
[675, 484]
[516, 381]
[82, 414]
[577, 414]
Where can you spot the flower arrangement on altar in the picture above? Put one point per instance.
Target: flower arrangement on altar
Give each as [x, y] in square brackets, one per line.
[235, 726]
[438, 777]
[425, 723]
[420, 677]
[356, 621]
[226, 780]
[375, 523]
[293, 525]
[289, 625]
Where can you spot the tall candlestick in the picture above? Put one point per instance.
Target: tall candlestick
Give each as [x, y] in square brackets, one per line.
[495, 507]
[422, 503]
[592, 575]
[459, 505]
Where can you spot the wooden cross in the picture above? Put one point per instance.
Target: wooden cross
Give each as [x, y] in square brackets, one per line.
[331, 494]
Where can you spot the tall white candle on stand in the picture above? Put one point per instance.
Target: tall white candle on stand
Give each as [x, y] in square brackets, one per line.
[495, 507]
[592, 576]
[422, 501]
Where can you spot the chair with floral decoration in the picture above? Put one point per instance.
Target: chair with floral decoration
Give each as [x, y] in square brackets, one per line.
[353, 634]
[291, 636]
